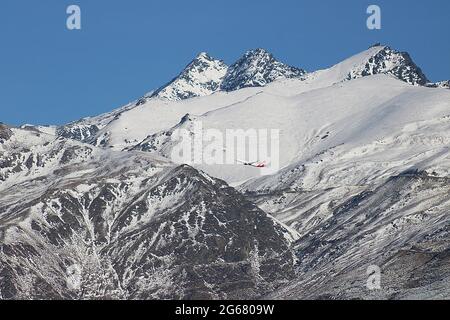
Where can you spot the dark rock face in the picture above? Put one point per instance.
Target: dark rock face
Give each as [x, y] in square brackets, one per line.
[5, 133]
[134, 228]
[223, 246]
[77, 131]
[256, 69]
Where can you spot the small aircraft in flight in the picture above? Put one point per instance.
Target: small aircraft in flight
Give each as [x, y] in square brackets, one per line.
[256, 164]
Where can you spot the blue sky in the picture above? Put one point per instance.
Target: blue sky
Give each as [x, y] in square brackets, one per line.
[50, 75]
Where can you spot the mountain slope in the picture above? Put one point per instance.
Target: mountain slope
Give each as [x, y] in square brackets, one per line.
[401, 227]
[347, 117]
[133, 225]
[85, 129]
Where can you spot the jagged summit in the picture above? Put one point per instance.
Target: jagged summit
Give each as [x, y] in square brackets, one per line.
[256, 68]
[203, 56]
[206, 75]
[385, 60]
[201, 77]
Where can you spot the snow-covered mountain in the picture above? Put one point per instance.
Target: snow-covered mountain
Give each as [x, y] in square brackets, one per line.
[400, 227]
[389, 61]
[378, 59]
[257, 68]
[363, 180]
[344, 122]
[203, 76]
[134, 225]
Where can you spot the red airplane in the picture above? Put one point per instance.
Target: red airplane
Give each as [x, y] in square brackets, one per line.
[256, 164]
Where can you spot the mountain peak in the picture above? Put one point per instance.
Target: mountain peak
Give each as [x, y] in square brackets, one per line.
[379, 59]
[203, 56]
[256, 68]
[205, 75]
[378, 44]
[201, 77]
[261, 52]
